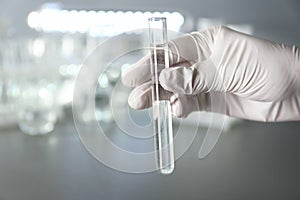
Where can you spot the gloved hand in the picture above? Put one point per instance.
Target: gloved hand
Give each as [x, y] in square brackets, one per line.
[224, 71]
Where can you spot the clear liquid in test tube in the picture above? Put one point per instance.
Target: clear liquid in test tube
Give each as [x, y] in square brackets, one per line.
[162, 119]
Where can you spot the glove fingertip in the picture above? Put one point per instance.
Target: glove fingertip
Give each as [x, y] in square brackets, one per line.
[129, 77]
[166, 80]
[183, 105]
[140, 99]
[137, 73]
[177, 110]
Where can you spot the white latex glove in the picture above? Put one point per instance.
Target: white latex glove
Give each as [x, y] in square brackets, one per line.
[224, 71]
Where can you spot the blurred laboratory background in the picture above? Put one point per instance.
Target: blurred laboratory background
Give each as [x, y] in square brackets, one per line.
[45, 145]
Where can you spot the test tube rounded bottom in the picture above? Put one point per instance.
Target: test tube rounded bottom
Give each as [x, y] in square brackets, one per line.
[163, 136]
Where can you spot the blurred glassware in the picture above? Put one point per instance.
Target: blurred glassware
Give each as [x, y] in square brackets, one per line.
[71, 51]
[96, 80]
[94, 108]
[37, 75]
[38, 78]
[9, 93]
[104, 88]
[38, 109]
[29, 85]
[9, 88]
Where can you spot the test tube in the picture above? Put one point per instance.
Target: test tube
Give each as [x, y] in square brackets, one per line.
[162, 119]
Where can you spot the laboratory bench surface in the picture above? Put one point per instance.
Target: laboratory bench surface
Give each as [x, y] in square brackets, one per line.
[251, 160]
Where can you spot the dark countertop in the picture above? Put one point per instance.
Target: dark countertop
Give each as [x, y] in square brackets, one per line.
[250, 161]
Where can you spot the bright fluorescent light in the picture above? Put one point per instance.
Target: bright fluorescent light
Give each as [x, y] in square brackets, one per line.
[101, 23]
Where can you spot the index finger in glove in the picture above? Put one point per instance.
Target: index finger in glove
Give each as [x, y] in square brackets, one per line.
[188, 48]
[138, 73]
[192, 47]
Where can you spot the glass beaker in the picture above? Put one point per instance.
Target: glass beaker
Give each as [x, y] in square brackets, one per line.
[37, 79]
[37, 105]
